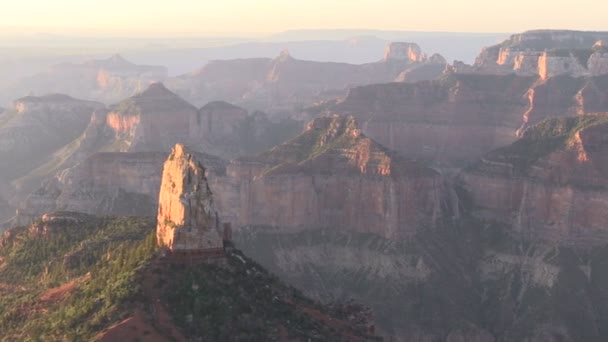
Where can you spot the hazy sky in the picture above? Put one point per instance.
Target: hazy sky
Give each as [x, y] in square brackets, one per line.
[260, 16]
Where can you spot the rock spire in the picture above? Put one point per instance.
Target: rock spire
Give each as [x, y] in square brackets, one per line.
[187, 220]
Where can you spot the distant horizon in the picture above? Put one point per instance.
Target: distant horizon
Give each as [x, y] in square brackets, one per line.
[267, 17]
[85, 32]
[75, 32]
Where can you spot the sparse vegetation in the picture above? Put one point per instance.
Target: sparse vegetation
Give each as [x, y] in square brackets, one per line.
[69, 281]
[542, 139]
[108, 254]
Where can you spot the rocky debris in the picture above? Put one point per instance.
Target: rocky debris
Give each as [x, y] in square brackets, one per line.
[187, 220]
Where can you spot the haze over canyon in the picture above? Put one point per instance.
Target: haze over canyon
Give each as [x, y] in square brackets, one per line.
[373, 185]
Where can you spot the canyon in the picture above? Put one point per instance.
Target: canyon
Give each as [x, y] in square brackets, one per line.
[467, 205]
[459, 118]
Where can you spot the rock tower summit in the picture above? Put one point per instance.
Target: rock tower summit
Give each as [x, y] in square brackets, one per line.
[187, 221]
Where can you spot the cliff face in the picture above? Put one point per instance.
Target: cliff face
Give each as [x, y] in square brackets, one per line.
[456, 119]
[547, 53]
[187, 219]
[37, 126]
[550, 185]
[463, 116]
[156, 119]
[153, 120]
[333, 176]
[284, 82]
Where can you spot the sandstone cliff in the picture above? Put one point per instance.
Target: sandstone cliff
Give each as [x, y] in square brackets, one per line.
[157, 119]
[547, 53]
[153, 120]
[550, 185]
[461, 117]
[87, 175]
[333, 176]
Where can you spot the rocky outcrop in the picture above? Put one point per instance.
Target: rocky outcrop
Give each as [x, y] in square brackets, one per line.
[550, 186]
[106, 80]
[547, 53]
[401, 51]
[53, 222]
[153, 120]
[187, 220]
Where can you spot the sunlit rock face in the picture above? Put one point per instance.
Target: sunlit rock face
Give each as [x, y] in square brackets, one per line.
[549, 186]
[153, 120]
[547, 53]
[404, 52]
[187, 220]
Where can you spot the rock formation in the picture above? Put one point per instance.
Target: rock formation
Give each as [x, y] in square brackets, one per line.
[107, 183]
[547, 53]
[401, 51]
[461, 117]
[333, 176]
[187, 220]
[106, 80]
[284, 82]
[153, 120]
[37, 126]
[550, 186]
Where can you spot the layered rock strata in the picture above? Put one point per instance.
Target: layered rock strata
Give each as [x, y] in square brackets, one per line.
[547, 53]
[549, 186]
